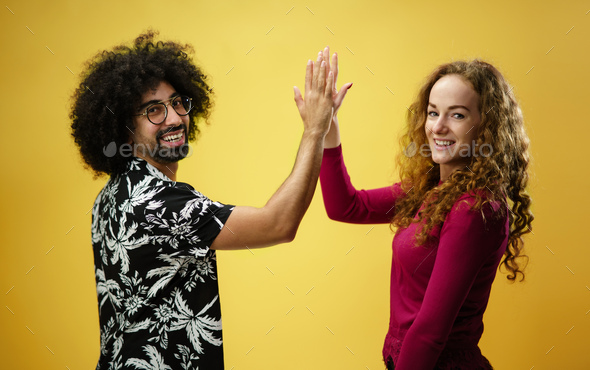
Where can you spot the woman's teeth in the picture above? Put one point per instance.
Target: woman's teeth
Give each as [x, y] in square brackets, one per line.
[443, 142]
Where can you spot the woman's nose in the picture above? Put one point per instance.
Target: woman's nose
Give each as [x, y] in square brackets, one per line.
[440, 125]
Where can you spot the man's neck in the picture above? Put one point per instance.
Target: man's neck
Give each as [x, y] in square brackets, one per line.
[168, 169]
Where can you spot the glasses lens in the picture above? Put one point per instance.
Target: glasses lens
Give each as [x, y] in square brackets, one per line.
[182, 105]
[156, 113]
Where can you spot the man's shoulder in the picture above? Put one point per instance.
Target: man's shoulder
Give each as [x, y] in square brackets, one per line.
[141, 174]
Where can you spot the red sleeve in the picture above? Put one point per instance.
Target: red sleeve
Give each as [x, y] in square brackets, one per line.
[344, 203]
[467, 243]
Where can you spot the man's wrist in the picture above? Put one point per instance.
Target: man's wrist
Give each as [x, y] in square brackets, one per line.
[314, 134]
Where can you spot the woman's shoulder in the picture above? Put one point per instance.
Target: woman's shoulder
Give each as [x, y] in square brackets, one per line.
[482, 201]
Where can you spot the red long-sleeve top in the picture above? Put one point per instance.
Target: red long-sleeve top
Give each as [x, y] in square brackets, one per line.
[440, 290]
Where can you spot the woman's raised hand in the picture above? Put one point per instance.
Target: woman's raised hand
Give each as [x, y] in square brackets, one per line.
[317, 108]
[338, 96]
[332, 139]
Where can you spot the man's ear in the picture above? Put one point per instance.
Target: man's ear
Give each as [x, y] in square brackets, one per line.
[130, 135]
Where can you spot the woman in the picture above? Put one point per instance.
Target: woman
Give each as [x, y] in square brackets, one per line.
[459, 208]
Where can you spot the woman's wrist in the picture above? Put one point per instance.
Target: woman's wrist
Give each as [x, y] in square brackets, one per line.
[332, 139]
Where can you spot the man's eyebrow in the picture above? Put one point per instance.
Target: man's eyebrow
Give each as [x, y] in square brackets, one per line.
[452, 106]
[153, 101]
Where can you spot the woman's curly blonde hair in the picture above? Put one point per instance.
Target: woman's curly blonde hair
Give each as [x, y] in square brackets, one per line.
[500, 175]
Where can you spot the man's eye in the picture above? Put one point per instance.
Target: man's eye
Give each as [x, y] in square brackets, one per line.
[154, 109]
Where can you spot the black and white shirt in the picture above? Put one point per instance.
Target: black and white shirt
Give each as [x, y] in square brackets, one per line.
[156, 277]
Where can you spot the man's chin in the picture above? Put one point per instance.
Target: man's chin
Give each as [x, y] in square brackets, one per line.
[166, 155]
[167, 160]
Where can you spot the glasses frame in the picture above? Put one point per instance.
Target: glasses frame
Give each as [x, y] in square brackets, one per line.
[166, 103]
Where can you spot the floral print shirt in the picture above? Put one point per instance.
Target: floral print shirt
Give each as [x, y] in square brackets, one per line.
[156, 277]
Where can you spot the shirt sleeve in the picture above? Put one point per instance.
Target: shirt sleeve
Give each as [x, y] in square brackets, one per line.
[344, 203]
[182, 220]
[467, 243]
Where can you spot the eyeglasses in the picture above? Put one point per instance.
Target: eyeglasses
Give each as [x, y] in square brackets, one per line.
[158, 112]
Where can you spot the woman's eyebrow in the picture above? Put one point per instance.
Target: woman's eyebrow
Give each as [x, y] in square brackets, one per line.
[452, 106]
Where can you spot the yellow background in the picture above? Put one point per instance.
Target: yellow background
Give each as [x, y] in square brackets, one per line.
[320, 302]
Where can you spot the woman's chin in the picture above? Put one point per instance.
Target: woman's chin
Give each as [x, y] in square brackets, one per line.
[441, 159]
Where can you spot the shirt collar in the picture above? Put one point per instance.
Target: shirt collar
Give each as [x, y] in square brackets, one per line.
[139, 164]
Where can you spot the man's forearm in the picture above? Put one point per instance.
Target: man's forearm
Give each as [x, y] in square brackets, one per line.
[290, 202]
[278, 220]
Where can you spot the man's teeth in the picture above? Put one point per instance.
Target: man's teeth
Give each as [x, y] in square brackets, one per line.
[443, 142]
[171, 138]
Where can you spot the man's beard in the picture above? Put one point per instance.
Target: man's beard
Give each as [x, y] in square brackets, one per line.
[164, 154]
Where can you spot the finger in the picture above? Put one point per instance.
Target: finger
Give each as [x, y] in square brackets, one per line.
[298, 98]
[326, 56]
[341, 94]
[308, 76]
[321, 82]
[316, 70]
[334, 68]
[329, 83]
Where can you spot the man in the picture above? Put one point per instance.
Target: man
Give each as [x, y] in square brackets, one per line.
[154, 239]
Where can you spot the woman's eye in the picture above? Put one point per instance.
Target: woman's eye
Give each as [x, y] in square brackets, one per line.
[458, 116]
[432, 114]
